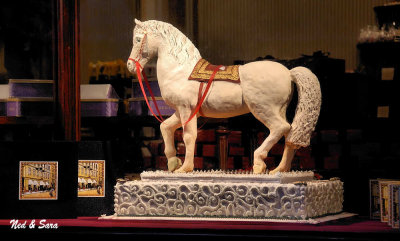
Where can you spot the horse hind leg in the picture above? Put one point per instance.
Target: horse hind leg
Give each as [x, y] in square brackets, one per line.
[286, 162]
[288, 152]
[278, 127]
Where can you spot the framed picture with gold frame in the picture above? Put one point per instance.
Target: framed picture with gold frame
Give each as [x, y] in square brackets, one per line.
[96, 175]
[91, 178]
[38, 180]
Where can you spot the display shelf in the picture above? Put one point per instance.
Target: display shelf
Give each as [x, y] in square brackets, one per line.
[38, 120]
[379, 53]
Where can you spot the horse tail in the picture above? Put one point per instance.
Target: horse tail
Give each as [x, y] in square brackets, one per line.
[308, 107]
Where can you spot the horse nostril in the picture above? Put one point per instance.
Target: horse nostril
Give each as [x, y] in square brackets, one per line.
[130, 65]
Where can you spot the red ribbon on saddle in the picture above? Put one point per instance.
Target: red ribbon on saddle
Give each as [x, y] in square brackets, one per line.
[201, 100]
[159, 117]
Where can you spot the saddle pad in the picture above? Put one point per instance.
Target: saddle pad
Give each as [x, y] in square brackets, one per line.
[203, 71]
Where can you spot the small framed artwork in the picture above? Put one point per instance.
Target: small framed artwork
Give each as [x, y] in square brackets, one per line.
[96, 171]
[384, 190]
[91, 178]
[394, 204]
[375, 209]
[38, 180]
[384, 200]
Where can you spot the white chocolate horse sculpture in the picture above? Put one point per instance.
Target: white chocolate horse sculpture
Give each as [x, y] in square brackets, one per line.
[265, 90]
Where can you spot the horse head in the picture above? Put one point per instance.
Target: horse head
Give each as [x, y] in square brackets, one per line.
[155, 38]
[143, 48]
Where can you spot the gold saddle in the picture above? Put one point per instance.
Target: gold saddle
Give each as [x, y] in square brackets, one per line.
[203, 71]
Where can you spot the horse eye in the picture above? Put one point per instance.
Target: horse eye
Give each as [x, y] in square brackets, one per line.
[138, 39]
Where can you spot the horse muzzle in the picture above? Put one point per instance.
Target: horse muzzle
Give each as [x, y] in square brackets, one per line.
[130, 64]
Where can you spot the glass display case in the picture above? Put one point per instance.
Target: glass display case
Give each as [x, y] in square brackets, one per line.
[67, 97]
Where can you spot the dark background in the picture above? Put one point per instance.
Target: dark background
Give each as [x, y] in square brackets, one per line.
[349, 142]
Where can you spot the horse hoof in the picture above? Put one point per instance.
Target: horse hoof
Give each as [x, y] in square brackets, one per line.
[174, 163]
[180, 170]
[185, 169]
[280, 169]
[273, 172]
[276, 170]
[259, 168]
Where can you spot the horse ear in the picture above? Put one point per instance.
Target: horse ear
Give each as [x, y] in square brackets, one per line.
[138, 22]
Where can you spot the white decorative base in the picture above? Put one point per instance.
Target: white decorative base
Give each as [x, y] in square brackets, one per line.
[236, 195]
[323, 219]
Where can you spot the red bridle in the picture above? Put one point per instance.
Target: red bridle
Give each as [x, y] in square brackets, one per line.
[146, 81]
[139, 74]
[159, 117]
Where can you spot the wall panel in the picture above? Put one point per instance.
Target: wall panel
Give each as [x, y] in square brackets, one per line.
[239, 29]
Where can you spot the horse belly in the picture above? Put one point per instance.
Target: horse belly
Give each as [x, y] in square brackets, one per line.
[225, 99]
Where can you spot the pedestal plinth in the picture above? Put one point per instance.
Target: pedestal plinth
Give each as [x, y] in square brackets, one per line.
[222, 194]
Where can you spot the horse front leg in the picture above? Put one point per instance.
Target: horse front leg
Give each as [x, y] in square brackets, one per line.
[189, 138]
[168, 128]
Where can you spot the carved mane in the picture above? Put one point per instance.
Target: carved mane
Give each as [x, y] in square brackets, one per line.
[179, 45]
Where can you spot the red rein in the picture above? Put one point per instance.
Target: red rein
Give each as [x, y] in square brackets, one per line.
[159, 117]
[138, 67]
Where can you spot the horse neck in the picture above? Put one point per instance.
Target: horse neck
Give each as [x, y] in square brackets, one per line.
[170, 68]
